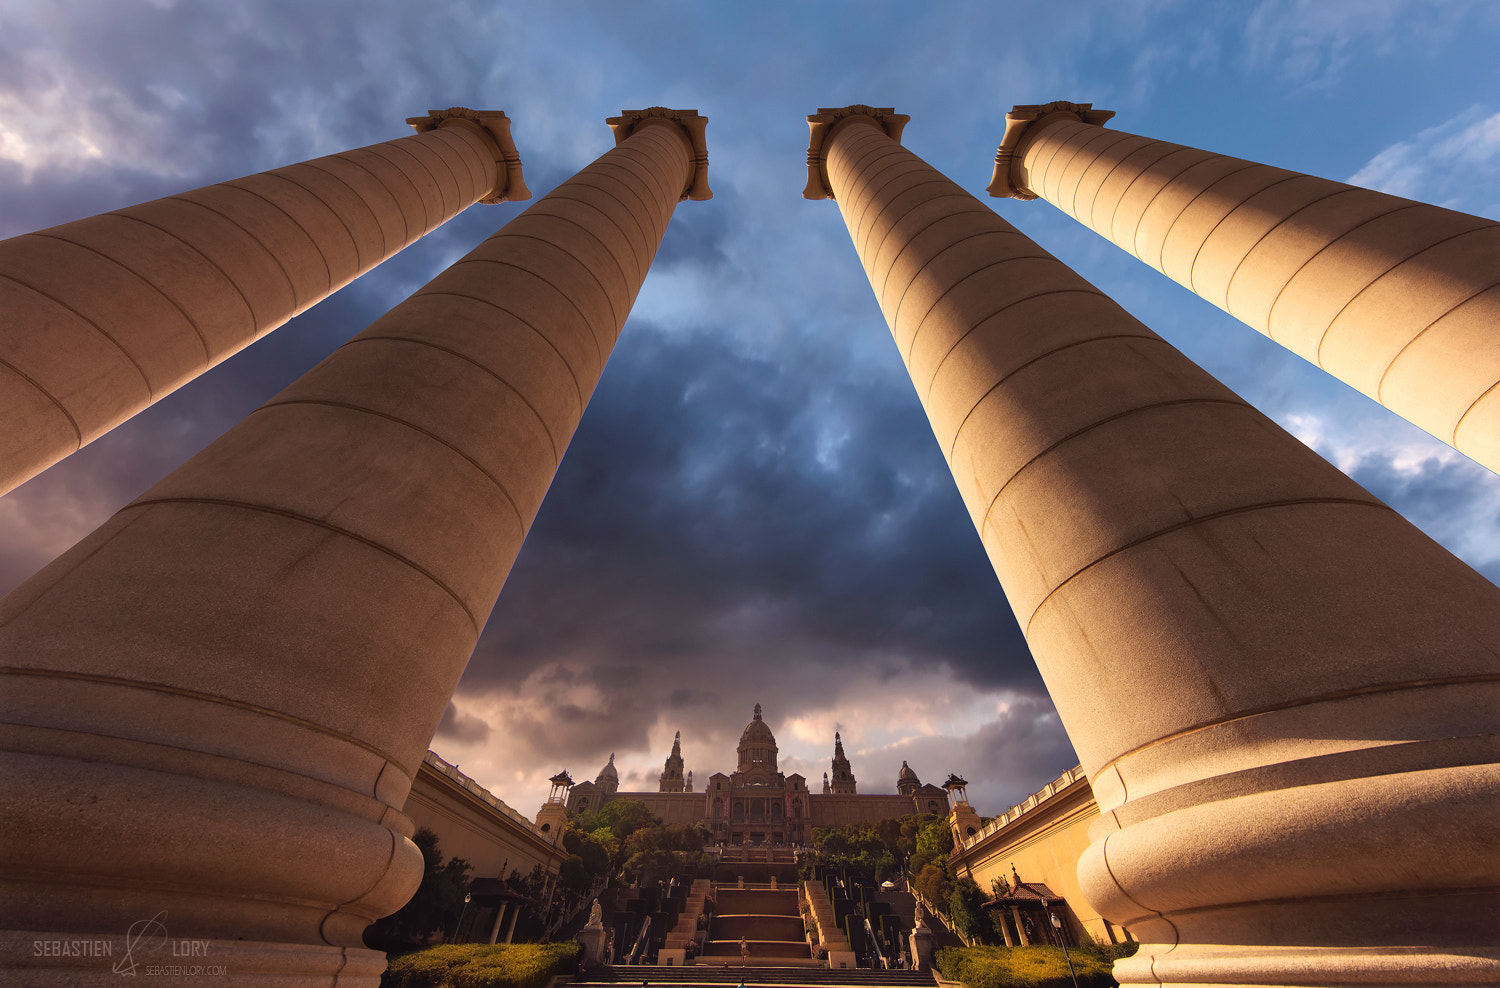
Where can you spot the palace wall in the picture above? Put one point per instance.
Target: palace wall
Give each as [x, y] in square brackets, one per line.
[843, 811]
[472, 824]
[1042, 838]
[687, 808]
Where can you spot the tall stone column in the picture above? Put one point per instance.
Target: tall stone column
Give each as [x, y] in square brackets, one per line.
[1283, 693]
[1396, 298]
[217, 701]
[105, 315]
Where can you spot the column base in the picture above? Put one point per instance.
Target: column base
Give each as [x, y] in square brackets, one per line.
[592, 938]
[73, 960]
[1206, 965]
[921, 949]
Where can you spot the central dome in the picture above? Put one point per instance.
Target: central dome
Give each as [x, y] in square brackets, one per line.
[757, 748]
[757, 731]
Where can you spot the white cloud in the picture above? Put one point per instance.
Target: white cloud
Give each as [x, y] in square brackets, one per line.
[1454, 164]
[65, 123]
[42, 520]
[1005, 743]
[1444, 493]
[1309, 43]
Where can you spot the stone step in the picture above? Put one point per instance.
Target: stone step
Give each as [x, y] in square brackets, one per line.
[788, 975]
[762, 951]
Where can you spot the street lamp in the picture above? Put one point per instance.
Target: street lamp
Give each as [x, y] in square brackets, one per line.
[1057, 925]
[459, 925]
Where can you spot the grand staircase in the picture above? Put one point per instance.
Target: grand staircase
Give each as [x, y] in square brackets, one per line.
[834, 942]
[766, 919]
[755, 976]
[686, 930]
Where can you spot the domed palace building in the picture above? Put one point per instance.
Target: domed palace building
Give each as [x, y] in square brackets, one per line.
[758, 804]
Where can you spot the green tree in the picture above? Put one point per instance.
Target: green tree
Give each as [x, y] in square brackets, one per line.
[965, 902]
[590, 857]
[622, 816]
[932, 881]
[858, 851]
[662, 851]
[935, 839]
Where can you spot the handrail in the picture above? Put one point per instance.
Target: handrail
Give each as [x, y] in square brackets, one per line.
[451, 771]
[638, 952]
[876, 954]
[942, 917]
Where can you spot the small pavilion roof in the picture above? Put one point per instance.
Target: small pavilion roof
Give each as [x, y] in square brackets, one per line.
[1025, 892]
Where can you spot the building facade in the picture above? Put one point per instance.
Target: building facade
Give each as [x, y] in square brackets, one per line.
[759, 804]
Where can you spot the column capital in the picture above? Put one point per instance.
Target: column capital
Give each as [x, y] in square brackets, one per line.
[1026, 119]
[493, 126]
[821, 126]
[689, 124]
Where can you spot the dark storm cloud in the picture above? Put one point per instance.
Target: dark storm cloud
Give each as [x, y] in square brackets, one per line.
[1433, 487]
[686, 697]
[1004, 760]
[462, 727]
[556, 725]
[697, 235]
[703, 481]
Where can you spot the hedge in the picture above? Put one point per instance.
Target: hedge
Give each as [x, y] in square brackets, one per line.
[481, 965]
[1028, 967]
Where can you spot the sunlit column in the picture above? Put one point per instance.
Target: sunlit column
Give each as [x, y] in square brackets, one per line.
[217, 701]
[1397, 298]
[105, 315]
[1283, 693]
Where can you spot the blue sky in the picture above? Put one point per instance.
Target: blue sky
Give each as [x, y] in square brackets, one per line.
[754, 508]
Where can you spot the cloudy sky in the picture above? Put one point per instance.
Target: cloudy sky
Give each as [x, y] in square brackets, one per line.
[754, 508]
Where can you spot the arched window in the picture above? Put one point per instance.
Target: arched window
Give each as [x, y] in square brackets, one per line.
[776, 812]
[583, 805]
[718, 807]
[739, 810]
[796, 809]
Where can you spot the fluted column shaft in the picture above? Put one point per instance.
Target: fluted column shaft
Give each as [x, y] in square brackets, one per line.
[1283, 693]
[106, 315]
[1396, 298]
[217, 701]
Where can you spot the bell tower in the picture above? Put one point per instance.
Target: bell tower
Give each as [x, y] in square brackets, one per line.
[553, 816]
[671, 776]
[962, 817]
[843, 774]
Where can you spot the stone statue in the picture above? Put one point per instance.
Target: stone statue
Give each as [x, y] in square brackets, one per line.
[920, 920]
[596, 915]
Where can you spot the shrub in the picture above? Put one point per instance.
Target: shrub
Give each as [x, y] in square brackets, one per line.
[1024, 967]
[1110, 952]
[478, 965]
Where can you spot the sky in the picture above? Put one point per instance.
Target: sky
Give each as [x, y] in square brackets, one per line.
[754, 508]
